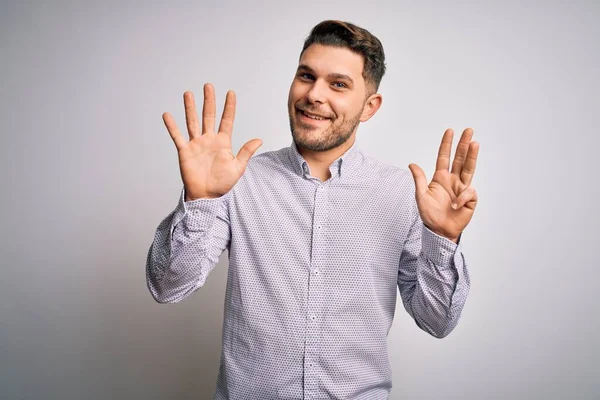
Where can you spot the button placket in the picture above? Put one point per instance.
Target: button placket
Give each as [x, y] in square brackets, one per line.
[315, 291]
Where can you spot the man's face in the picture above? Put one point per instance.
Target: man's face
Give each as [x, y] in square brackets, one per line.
[327, 97]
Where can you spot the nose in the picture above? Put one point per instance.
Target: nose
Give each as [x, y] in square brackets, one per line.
[316, 93]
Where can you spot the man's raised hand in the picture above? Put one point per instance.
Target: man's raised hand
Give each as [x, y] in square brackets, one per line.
[208, 167]
[447, 204]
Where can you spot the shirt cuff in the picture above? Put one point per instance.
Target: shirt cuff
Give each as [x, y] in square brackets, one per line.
[199, 214]
[438, 249]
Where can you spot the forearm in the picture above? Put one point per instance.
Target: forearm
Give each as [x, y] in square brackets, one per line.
[186, 247]
[436, 293]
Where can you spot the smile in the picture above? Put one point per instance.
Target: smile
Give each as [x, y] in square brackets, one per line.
[313, 117]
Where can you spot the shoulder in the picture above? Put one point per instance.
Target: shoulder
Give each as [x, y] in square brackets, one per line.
[394, 185]
[265, 167]
[398, 177]
[268, 158]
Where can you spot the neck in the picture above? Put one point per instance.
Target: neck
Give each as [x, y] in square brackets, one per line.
[320, 161]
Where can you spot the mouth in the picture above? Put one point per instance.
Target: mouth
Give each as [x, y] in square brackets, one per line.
[311, 118]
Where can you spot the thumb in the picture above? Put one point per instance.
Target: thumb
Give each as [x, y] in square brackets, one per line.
[248, 150]
[420, 179]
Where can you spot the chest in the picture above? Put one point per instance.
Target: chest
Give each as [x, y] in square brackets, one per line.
[359, 221]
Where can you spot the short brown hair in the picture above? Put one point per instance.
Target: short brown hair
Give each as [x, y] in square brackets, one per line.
[359, 40]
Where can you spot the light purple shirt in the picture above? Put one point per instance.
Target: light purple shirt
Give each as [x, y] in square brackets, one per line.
[313, 271]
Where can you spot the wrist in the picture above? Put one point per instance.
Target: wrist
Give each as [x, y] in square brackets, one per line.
[197, 196]
[187, 198]
[443, 234]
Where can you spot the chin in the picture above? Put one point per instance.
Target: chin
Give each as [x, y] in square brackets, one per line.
[316, 144]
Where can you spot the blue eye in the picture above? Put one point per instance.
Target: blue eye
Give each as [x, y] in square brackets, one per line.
[343, 85]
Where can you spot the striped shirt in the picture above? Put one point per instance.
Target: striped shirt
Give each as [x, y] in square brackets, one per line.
[312, 277]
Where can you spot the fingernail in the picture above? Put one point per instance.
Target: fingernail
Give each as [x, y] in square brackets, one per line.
[454, 206]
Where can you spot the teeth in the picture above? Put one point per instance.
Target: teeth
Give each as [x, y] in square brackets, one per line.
[312, 116]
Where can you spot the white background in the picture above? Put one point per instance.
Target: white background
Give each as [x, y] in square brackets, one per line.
[88, 172]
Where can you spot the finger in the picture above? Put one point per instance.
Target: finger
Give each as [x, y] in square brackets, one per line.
[421, 186]
[443, 159]
[191, 115]
[467, 195]
[208, 109]
[461, 151]
[173, 131]
[226, 125]
[247, 151]
[468, 170]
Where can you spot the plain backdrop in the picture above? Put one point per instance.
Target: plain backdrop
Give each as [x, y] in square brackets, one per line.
[88, 172]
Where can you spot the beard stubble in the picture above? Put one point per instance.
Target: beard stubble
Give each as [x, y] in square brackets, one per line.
[332, 137]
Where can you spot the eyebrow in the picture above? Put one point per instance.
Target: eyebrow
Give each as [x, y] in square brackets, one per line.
[334, 75]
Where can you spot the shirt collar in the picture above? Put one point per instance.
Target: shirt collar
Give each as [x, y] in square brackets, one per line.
[341, 166]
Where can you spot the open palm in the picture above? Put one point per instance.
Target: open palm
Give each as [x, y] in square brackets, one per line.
[447, 203]
[207, 165]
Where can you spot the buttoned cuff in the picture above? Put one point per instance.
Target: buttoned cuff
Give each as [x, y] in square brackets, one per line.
[438, 249]
[197, 215]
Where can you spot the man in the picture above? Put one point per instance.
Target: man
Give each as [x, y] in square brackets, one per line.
[319, 234]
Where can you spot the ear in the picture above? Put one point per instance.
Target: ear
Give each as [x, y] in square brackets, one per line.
[371, 106]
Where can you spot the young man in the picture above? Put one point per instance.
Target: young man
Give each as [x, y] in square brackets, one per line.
[319, 234]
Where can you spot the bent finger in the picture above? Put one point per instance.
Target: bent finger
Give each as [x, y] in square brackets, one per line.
[469, 195]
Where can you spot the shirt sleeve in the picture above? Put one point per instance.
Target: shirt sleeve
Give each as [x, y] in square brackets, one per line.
[433, 279]
[186, 247]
